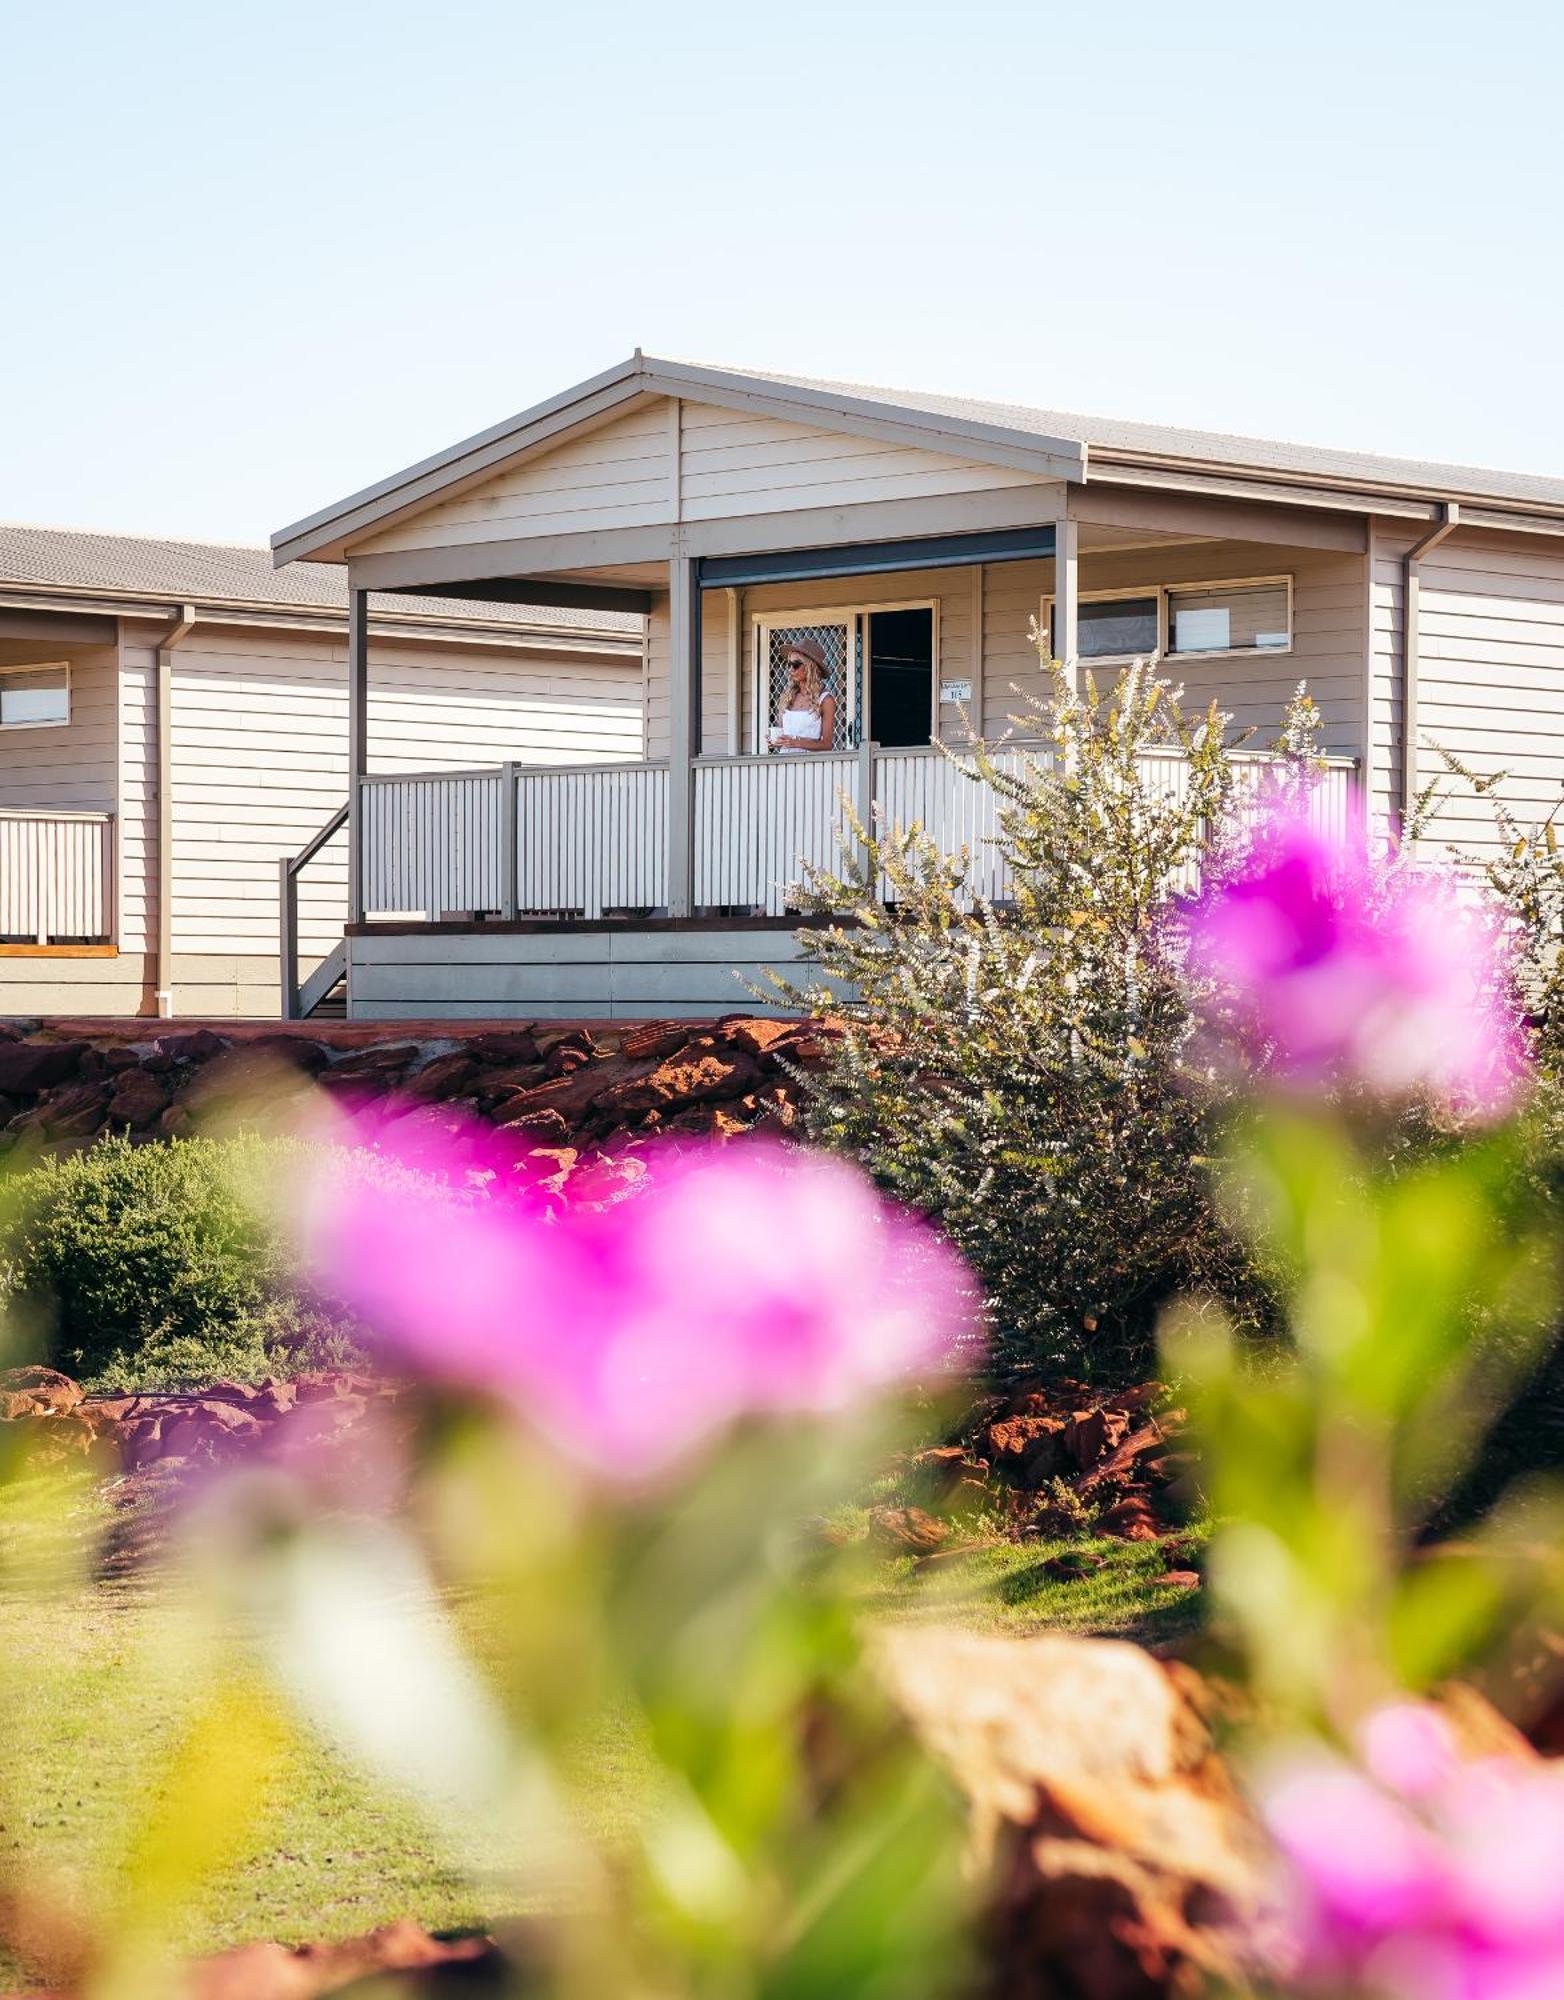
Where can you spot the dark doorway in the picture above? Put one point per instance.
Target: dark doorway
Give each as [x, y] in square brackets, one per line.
[901, 677]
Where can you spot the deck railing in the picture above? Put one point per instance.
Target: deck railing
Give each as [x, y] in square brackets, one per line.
[592, 840]
[56, 878]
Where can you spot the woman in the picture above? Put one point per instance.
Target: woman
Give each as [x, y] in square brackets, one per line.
[808, 720]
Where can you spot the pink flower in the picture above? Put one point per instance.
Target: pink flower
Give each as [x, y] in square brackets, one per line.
[745, 1280]
[1423, 1876]
[1340, 970]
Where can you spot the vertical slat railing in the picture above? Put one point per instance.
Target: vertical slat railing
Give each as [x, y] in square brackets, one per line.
[56, 878]
[432, 843]
[592, 840]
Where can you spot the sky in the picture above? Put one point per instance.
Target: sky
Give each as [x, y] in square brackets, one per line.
[257, 257]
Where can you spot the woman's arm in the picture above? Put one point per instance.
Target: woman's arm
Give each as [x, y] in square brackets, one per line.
[827, 737]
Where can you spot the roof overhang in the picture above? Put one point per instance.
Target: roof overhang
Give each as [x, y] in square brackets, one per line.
[325, 537]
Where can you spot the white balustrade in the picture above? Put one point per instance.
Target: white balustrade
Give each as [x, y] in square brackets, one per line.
[431, 843]
[56, 878]
[592, 840]
[760, 822]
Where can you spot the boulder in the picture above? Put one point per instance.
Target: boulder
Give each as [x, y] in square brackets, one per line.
[37, 1392]
[191, 1045]
[71, 1112]
[28, 1067]
[570, 1096]
[758, 1034]
[446, 1077]
[1121, 1861]
[654, 1039]
[503, 1045]
[138, 1100]
[701, 1073]
[907, 1530]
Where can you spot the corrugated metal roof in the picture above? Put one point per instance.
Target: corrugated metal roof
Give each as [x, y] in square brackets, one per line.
[1114, 435]
[220, 573]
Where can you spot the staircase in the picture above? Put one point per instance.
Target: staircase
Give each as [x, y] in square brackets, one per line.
[323, 995]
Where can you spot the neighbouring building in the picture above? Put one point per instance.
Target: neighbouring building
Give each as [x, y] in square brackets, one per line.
[174, 726]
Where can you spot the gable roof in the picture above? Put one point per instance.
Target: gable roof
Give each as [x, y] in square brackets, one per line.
[157, 574]
[1054, 444]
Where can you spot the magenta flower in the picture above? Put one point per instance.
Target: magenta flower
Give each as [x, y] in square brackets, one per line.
[1417, 1875]
[749, 1280]
[1339, 970]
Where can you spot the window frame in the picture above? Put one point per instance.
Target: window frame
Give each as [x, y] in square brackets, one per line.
[836, 614]
[39, 667]
[1164, 594]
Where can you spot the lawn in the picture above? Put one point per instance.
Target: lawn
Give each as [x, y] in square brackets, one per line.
[94, 1702]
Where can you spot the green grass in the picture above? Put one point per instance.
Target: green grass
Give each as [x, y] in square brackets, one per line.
[93, 1704]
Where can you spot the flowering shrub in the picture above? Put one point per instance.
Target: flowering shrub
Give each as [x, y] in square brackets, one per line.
[1414, 1873]
[1026, 1074]
[1341, 971]
[761, 1282]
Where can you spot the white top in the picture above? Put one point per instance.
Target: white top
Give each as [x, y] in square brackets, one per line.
[806, 722]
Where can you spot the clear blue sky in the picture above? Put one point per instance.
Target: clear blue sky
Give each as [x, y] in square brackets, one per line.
[258, 256]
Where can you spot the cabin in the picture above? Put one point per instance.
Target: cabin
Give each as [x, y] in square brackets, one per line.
[174, 735]
[915, 540]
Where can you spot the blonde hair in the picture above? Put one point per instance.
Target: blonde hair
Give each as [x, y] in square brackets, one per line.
[813, 688]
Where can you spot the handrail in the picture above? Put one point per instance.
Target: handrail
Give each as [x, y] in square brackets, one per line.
[289, 869]
[54, 813]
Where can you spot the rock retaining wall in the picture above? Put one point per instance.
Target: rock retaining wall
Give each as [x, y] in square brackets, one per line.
[561, 1088]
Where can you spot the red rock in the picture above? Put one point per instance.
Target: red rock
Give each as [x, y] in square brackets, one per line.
[174, 1121]
[447, 1076]
[115, 1060]
[1090, 1434]
[192, 1045]
[503, 1046]
[1180, 1579]
[1131, 1520]
[653, 1039]
[138, 1100]
[907, 1530]
[568, 1096]
[696, 1076]
[212, 1430]
[1025, 1448]
[758, 1034]
[374, 1061]
[36, 1392]
[28, 1067]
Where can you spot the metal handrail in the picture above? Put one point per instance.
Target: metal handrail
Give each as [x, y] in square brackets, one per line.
[289, 869]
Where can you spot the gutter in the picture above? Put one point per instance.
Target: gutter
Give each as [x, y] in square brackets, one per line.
[182, 626]
[1411, 592]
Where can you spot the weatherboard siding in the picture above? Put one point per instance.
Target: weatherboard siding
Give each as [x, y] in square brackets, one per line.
[617, 475]
[733, 462]
[1490, 677]
[667, 461]
[260, 756]
[1329, 621]
[67, 767]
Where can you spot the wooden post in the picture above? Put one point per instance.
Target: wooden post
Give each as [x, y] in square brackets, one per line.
[865, 800]
[358, 744]
[508, 894]
[1067, 598]
[684, 729]
[288, 931]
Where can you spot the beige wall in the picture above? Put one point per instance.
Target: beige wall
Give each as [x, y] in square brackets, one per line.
[1330, 593]
[1490, 678]
[69, 767]
[667, 460]
[259, 761]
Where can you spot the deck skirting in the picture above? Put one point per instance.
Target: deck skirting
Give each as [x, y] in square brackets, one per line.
[579, 971]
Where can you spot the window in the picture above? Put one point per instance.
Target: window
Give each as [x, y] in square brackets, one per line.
[1114, 628]
[32, 697]
[1232, 618]
[1196, 618]
[881, 666]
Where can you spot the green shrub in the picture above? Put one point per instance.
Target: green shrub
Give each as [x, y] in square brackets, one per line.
[1029, 1074]
[157, 1265]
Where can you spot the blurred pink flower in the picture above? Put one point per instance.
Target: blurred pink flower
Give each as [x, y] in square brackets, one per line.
[1341, 970]
[1417, 1875]
[744, 1280]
